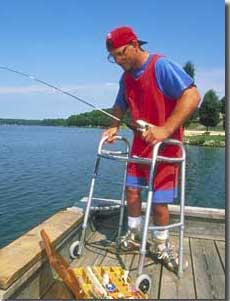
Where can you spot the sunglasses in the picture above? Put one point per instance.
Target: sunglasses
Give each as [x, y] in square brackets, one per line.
[113, 57]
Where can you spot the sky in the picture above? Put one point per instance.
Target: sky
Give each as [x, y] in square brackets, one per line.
[63, 42]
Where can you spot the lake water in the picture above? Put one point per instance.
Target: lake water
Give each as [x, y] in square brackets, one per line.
[45, 169]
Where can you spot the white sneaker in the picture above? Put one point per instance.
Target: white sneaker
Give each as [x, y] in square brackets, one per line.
[166, 254]
[131, 240]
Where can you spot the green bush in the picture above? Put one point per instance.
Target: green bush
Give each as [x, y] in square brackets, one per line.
[206, 140]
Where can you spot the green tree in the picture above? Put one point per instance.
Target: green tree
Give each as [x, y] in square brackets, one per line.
[223, 103]
[71, 120]
[190, 69]
[54, 122]
[93, 118]
[222, 109]
[209, 110]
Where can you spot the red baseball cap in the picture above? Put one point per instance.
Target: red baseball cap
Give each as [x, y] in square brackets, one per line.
[121, 36]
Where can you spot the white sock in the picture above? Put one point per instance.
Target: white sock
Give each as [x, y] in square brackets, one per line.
[134, 222]
[161, 234]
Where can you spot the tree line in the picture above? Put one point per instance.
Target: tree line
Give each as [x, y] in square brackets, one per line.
[53, 122]
[208, 114]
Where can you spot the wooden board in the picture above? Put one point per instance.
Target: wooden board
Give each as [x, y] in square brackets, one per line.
[58, 291]
[171, 286]
[208, 271]
[221, 250]
[202, 228]
[25, 252]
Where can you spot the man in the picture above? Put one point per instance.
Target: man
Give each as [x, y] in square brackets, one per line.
[162, 94]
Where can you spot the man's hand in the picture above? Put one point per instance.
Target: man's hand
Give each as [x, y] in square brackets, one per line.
[111, 134]
[154, 134]
[185, 106]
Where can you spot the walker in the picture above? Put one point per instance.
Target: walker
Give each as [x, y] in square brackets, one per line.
[143, 281]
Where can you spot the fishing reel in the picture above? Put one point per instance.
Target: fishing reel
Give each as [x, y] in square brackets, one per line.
[142, 125]
[139, 125]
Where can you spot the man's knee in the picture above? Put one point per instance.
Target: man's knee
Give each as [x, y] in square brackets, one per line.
[160, 210]
[133, 194]
[160, 214]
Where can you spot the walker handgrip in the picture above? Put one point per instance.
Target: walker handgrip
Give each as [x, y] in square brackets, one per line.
[107, 152]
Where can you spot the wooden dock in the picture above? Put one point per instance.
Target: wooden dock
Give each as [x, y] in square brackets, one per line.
[204, 247]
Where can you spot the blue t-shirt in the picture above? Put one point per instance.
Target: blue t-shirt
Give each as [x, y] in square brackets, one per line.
[172, 80]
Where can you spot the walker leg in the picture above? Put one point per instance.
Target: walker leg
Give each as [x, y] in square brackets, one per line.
[181, 237]
[84, 227]
[120, 227]
[180, 265]
[145, 233]
[87, 210]
[122, 209]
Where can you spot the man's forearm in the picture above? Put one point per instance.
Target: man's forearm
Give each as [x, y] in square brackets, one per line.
[119, 114]
[186, 105]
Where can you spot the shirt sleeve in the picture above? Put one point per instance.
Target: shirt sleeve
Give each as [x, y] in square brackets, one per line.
[120, 99]
[171, 78]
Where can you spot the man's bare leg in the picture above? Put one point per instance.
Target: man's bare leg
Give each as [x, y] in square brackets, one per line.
[131, 240]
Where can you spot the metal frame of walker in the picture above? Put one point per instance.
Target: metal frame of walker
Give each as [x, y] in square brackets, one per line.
[125, 157]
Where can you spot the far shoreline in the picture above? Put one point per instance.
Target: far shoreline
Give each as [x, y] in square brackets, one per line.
[204, 138]
[212, 138]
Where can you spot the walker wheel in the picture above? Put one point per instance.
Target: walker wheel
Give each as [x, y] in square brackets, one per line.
[143, 283]
[73, 250]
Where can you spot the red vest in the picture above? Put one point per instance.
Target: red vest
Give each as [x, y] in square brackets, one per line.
[147, 102]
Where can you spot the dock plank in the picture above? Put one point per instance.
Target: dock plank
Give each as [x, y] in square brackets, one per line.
[58, 291]
[208, 271]
[105, 237]
[112, 259]
[91, 255]
[221, 250]
[174, 288]
[117, 258]
[202, 228]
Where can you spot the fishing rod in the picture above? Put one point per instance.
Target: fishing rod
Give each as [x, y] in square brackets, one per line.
[132, 127]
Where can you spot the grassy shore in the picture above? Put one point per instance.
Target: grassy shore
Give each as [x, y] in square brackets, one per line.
[213, 139]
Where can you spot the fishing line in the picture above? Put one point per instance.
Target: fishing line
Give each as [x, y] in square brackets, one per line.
[66, 93]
